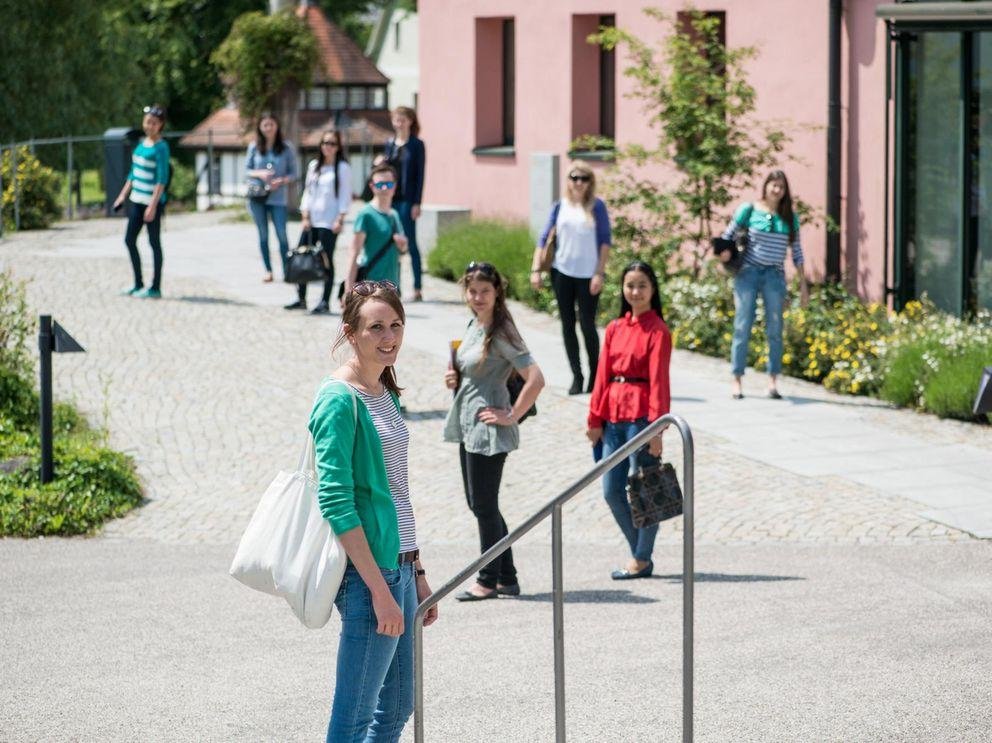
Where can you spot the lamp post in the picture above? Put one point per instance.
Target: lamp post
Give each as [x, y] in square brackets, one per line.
[52, 337]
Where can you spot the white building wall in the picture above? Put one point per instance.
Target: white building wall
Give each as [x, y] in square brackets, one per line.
[399, 59]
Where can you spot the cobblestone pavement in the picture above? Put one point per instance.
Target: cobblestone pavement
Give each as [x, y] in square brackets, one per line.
[209, 389]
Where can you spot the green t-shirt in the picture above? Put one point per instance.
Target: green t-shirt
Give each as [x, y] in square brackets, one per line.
[379, 229]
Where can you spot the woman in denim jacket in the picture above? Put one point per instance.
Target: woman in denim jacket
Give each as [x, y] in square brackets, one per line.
[270, 161]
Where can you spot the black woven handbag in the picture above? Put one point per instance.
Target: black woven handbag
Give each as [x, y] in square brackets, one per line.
[514, 384]
[654, 494]
[306, 262]
[737, 246]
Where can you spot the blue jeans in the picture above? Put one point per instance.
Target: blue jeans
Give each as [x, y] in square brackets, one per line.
[261, 213]
[373, 696]
[410, 228]
[615, 435]
[769, 281]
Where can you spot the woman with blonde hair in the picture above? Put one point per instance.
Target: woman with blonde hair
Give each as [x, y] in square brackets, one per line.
[580, 226]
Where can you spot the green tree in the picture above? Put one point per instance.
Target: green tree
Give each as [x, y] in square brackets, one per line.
[697, 97]
[35, 187]
[264, 60]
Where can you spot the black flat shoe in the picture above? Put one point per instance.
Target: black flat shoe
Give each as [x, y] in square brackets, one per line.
[576, 388]
[297, 305]
[469, 596]
[511, 590]
[738, 395]
[321, 309]
[774, 395]
[627, 575]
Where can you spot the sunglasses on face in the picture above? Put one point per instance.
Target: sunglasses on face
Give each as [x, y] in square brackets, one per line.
[330, 142]
[579, 178]
[486, 269]
[367, 288]
[383, 185]
[154, 111]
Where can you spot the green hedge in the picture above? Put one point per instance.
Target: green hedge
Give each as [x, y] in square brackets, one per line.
[93, 483]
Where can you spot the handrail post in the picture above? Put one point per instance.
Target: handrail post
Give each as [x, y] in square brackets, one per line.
[688, 580]
[558, 592]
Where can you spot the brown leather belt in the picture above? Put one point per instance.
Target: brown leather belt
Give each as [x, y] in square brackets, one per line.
[411, 556]
[629, 380]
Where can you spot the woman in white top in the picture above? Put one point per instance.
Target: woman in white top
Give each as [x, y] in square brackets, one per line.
[324, 205]
[582, 233]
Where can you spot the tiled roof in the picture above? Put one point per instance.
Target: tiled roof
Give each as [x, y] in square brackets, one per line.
[223, 128]
[343, 60]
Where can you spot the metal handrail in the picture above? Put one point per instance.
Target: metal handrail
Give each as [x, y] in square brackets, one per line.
[553, 508]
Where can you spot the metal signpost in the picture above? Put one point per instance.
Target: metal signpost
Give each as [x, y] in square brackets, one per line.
[52, 337]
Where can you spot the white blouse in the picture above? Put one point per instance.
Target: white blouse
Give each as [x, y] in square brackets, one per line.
[576, 253]
[318, 193]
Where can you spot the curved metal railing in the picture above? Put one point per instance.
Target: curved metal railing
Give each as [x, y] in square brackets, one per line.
[553, 508]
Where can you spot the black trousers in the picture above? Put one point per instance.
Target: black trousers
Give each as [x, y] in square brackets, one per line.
[135, 221]
[326, 239]
[481, 475]
[571, 292]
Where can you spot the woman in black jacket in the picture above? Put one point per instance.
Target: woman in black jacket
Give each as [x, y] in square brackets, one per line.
[405, 152]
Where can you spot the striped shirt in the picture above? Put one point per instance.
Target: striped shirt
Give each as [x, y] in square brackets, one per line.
[767, 236]
[149, 167]
[395, 440]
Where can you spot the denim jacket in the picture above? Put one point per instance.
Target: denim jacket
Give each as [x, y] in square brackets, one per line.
[283, 164]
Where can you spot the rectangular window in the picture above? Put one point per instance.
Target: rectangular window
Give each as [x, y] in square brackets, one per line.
[337, 99]
[509, 81]
[593, 79]
[356, 98]
[378, 96]
[495, 83]
[317, 99]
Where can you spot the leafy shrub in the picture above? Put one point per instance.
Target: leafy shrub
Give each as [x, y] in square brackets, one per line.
[15, 323]
[508, 246]
[183, 186]
[950, 392]
[36, 187]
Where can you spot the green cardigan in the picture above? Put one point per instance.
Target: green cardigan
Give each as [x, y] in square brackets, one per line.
[354, 489]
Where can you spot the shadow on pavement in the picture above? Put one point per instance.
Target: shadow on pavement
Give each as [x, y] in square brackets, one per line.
[613, 596]
[729, 578]
[212, 300]
[859, 402]
[425, 415]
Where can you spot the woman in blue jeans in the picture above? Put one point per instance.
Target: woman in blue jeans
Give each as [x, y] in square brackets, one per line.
[772, 229]
[406, 153]
[361, 444]
[270, 161]
[630, 391]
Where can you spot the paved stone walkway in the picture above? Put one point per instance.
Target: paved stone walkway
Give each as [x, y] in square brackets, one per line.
[209, 389]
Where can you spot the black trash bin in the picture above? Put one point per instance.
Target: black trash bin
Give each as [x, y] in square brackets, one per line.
[118, 144]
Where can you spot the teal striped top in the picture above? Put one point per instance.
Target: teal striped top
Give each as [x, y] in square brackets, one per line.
[149, 167]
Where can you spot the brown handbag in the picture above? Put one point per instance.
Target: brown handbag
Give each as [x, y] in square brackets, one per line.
[551, 243]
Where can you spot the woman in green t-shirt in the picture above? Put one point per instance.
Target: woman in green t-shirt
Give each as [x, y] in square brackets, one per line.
[379, 237]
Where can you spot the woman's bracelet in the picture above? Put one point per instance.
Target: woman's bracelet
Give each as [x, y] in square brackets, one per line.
[419, 571]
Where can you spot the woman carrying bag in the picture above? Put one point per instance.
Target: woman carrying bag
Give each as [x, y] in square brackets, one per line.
[361, 442]
[270, 164]
[632, 390]
[323, 207]
[578, 232]
[482, 420]
[772, 232]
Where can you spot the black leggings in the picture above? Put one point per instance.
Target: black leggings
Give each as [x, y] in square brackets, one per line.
[481, 475]
[135, 219]
[327, 239]
[569, 292]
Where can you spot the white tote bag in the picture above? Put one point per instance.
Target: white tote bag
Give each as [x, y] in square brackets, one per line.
[289, 549]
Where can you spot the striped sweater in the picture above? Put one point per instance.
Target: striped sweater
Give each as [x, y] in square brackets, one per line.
[149, 167]
[767, 236]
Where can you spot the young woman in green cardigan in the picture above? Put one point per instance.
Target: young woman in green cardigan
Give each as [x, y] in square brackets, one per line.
[361, 443]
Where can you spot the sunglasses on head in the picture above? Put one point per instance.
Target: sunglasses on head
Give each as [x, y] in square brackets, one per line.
[579, 178]
[486, 269]
[383, 185]
[367, 288]
[156, 111]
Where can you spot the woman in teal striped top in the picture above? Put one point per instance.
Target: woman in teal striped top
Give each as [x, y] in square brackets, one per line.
[144, 191]
[772, 230]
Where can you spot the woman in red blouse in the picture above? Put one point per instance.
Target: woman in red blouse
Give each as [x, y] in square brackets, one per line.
[632, 390]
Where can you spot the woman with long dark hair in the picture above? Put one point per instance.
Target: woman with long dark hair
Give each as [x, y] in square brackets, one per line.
[144, 193]
[772, 231]
[406, 153]
[582, 234]
[270, 163]
[482, 420]
[323, 207]
[361, 443]
[631, 391]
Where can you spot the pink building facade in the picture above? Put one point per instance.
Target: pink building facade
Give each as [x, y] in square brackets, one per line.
[483, 148]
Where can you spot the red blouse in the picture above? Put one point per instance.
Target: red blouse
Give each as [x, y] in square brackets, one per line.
[638, 347]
